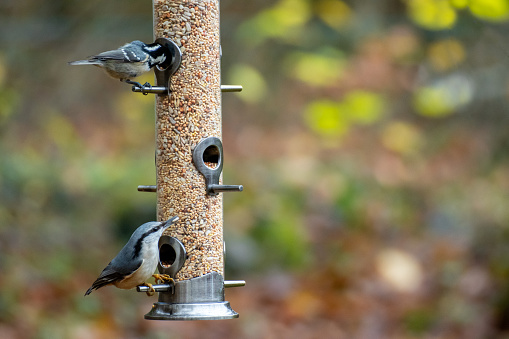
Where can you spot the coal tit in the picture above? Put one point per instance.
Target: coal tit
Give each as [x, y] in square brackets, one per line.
[128, 61]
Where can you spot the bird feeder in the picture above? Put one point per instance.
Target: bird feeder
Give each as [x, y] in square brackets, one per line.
[189, 161]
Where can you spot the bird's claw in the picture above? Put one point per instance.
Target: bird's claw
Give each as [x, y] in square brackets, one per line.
[134, 83]
[151, 290]
[146, 86]
[162, 278]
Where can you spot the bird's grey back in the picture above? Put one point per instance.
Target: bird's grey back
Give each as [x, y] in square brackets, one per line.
[128, 254]
[126, 55]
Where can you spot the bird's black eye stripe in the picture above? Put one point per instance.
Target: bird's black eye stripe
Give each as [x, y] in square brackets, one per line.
[137, 246]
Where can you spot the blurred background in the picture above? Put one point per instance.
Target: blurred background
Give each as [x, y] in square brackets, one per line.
[371, 139]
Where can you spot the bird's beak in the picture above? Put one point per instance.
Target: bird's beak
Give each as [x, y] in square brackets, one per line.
[170, 221]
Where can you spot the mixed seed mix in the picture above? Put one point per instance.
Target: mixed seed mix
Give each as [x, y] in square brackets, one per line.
[192, 112]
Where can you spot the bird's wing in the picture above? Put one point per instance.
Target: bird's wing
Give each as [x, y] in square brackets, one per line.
[112, 274]
[120, 54]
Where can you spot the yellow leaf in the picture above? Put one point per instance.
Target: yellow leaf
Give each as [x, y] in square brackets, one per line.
[446, 54]
[444, 96]
[334, 13]
[279, 21]
[432, 14]
[327, 118]
[401, 137]
[432, 102]
[364, 107]
[493, 10]
[459, 4]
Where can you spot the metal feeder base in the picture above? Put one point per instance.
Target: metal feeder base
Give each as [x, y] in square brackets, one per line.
[199, 298]
[205, 311]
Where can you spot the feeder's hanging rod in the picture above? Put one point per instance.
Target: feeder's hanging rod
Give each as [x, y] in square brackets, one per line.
[157, 288]
[163, 90]
[170, 287]
[213, 188]
[147, 188]
[231, 88]
[153, 90]
[234, 283]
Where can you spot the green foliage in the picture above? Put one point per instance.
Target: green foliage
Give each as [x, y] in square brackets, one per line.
[419, 322]
[284, 241]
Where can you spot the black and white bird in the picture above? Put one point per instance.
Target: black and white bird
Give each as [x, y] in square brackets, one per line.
[137, 261]
[129, 61]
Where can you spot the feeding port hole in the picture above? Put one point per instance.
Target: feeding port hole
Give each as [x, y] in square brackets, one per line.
[211, 156]
[167, 255]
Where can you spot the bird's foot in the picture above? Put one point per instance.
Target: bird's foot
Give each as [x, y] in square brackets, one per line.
[162, 278]
[130, 82]
[146, 86]
[151, 290]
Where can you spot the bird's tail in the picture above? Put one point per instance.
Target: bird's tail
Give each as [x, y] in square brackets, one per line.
[96, 285]
[105, 280]
[84, 62]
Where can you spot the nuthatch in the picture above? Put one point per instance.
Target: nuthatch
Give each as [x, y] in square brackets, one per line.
[137, 261]
[129, 61]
